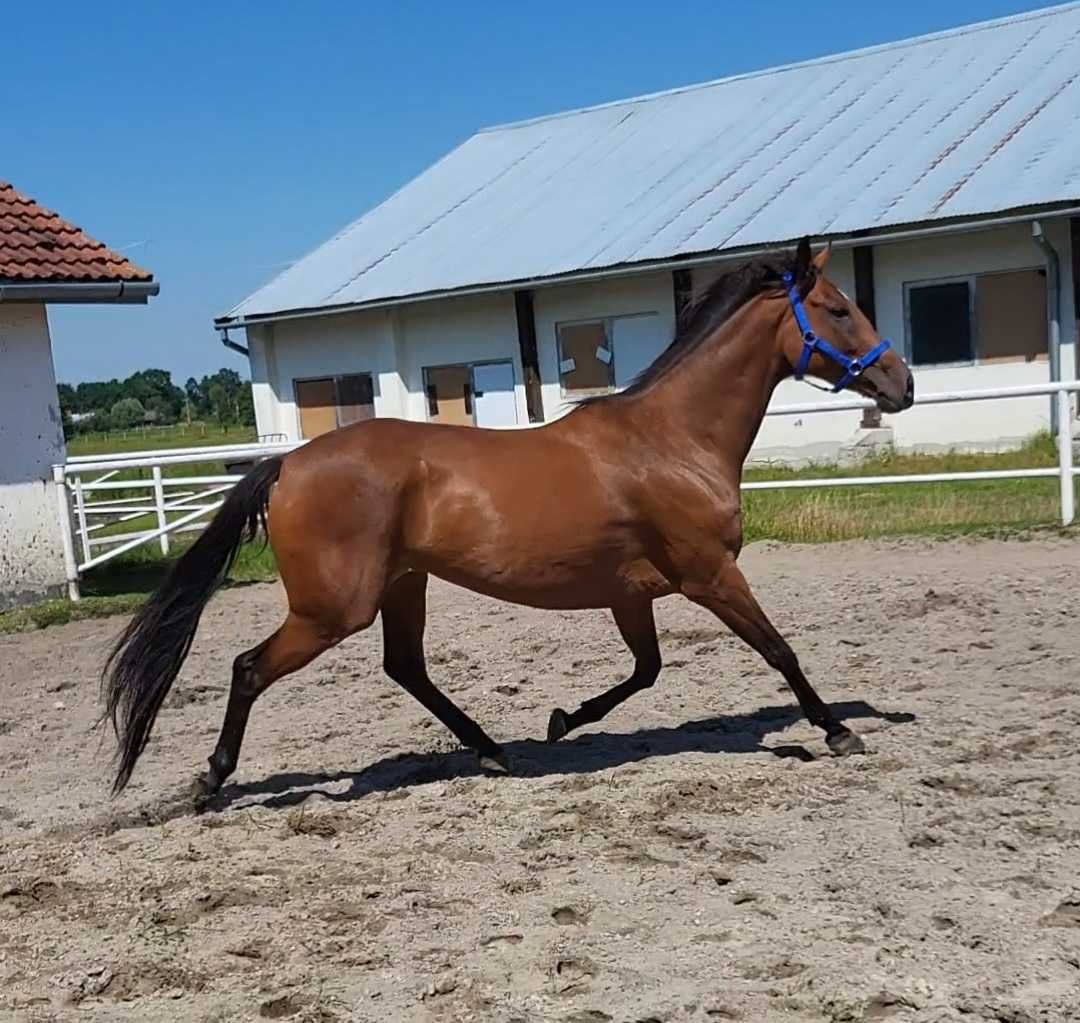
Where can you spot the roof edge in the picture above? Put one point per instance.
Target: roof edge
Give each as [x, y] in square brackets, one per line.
[832, 58]
[65, 292]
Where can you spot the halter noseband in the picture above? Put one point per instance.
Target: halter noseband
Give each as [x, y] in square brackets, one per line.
[853, 368]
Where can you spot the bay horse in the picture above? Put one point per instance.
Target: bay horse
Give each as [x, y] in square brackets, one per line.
[626, 499]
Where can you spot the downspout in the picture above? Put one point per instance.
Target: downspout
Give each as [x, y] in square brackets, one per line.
[232, 345]
[1053, 302]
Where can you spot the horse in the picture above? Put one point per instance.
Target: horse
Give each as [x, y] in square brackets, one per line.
[627, 498]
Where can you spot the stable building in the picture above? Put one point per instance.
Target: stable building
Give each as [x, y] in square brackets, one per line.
[44, 261]
[547, 260]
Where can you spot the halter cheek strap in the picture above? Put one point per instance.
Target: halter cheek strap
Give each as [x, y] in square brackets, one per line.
[853, 368]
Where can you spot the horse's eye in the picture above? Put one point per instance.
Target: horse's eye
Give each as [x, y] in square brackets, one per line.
[840, 312]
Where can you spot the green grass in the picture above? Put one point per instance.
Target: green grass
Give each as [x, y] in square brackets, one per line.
[821, 515]
[121, 586]
[816, 515]
[159, 438]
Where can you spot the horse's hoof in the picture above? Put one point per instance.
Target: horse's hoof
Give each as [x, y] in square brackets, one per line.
[495, 763]
[201, 792]
[845, 743]
[558, 725]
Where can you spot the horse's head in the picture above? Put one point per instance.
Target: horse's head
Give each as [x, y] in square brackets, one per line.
[826, 335]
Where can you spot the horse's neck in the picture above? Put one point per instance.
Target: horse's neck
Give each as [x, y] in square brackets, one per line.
[720, 391]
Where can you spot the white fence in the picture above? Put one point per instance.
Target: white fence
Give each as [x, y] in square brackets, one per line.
[181, 503]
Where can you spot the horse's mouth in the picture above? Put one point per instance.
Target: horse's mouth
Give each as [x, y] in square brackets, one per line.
[889, 402]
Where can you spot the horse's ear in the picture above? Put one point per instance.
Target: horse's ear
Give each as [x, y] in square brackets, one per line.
[803, 260]
[823, 257]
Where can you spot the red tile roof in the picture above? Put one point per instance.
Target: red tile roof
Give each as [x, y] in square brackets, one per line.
[37, 245]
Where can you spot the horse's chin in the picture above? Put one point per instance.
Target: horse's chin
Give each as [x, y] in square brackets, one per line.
[889, 404]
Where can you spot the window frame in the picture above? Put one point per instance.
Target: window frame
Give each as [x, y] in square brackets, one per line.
[608, 322]
[470, 365]
[972, 281]
[909, 335]
[335, 377]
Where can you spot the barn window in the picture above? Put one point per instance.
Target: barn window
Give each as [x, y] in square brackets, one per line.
[325, 403]
[996, 317]
[471, 394]
[597, 356]
[586, 360]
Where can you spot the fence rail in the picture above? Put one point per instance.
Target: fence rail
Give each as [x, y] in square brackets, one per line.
[180, 504]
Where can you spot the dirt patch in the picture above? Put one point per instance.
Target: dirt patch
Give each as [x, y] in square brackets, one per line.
[698, 855]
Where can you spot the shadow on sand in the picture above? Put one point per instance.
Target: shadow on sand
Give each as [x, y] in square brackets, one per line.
[583, 754]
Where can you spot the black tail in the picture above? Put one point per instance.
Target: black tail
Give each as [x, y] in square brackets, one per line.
[147, 658]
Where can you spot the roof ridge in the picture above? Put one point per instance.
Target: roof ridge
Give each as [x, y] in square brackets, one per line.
[898, 44]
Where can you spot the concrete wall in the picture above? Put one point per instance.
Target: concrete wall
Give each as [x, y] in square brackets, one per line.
[1008, 248]
[394, 345]
[479, 328]
[31, 441]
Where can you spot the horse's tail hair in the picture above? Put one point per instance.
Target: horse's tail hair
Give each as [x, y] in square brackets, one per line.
[151, 650]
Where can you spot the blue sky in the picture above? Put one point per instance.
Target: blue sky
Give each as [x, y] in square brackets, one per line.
[215, 143]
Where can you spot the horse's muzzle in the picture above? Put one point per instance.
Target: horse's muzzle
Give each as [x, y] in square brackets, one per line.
[893, 402]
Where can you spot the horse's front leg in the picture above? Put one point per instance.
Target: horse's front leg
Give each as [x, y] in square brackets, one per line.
[724, 591]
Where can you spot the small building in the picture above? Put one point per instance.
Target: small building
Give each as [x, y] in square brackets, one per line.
[546, 260]
[43, 261]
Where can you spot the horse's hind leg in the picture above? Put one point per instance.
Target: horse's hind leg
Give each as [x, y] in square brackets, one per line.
[404, 612]
[298, 641]
[635, 622]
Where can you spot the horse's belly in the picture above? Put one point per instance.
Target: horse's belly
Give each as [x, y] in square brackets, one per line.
[556, 583]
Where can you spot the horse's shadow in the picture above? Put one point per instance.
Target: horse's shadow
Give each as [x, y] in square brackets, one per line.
[584, 754]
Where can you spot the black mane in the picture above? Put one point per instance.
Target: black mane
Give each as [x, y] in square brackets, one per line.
[698, 321]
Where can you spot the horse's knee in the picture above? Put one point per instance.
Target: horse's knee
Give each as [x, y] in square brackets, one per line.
[244, 683]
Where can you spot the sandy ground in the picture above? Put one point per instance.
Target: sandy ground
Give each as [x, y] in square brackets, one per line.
[697, 856]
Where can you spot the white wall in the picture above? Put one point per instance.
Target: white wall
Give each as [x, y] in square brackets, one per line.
[318, 346]
[394, 345]
[31, 441]
[474, 328]
[1007, 248]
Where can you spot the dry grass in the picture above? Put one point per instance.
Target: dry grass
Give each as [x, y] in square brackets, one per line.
[821, 515]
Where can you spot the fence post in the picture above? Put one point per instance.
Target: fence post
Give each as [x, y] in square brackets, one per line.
[80, 511]
[159, 502]
[1065, 463]
[71, 568]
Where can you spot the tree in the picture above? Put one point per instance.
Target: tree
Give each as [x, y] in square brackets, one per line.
[224, 396]
[97, 395]
[155, 389]
[198, 404]
[66, 395]
[126, 413]
[247, 405]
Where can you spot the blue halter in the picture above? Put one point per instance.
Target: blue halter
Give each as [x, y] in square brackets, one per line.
[853, 368]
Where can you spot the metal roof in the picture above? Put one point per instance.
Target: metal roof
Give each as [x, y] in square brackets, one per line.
[962, 123]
